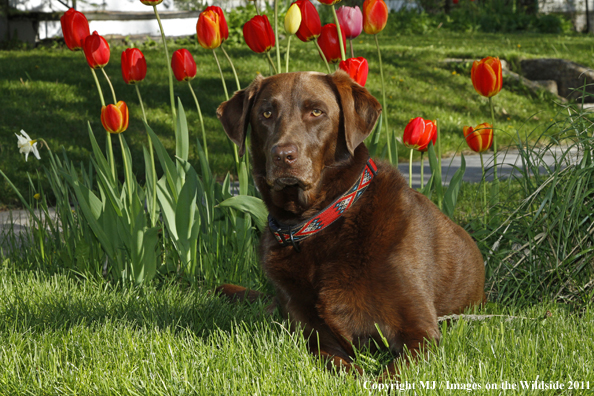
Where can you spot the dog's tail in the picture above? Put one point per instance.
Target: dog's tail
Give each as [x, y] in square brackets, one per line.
[241, 294]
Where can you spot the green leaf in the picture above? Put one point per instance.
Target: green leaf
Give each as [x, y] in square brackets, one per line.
[435, 173]
[100, 158]
[182, 142]
[167, 163]
[252, 205]
[451, 194]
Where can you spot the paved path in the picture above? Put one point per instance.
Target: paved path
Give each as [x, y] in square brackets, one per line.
[18, 220]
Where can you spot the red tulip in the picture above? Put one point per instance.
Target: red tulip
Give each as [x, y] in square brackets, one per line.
[375, 16]
[486, 76]
[419, 133]
[75, 29]
[133, 66]
[115, 117]
[455, 1]
[151, 2]
[479, 139]
[310, 27]
[351, 21]
[96, 51]
[183, 65]
[328, 42]
[357, 69]
[258, 34]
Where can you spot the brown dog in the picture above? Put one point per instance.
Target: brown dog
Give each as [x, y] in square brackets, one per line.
[390, 259]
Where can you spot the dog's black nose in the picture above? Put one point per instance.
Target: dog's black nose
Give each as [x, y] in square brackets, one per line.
[284, 154]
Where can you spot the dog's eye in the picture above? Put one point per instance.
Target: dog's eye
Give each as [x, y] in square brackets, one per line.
[316, 113]
[267, 114]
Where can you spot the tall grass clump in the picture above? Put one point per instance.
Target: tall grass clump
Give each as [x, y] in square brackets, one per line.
[542, 246]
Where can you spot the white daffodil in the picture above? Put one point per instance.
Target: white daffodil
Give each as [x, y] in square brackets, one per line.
[26, 145]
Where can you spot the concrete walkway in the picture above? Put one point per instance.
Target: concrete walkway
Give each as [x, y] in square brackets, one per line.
[18, 220]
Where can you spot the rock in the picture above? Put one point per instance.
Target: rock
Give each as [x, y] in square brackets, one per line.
[549, 85]
[569, 76]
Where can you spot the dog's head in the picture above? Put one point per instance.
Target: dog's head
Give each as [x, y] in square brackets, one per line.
[301, 125]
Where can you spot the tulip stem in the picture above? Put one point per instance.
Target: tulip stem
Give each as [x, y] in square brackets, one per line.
[385, 106]
[439, 197]
[201, 121]
[323, 56]
[115, 101]
[98, 87]
[271, 62]
[422, 170]
[288, 49]
[410, 168]
[352, 52]
[256, 5]
[494, 139]
[153, 180]
[168, 65]
[484, 181]
[232, 68]
[221, 73]
[278, 57]
[109, 147]
[340, 41]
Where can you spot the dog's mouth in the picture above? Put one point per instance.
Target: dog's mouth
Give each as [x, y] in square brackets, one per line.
[282, 182]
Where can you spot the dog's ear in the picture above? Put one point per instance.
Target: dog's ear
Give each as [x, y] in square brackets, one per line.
[234, 113]
[359, 108]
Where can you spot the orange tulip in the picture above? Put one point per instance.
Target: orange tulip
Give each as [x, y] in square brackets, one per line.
[375, 16]
[479, 139]
[115, 117]
[208, 29]
[486, 76]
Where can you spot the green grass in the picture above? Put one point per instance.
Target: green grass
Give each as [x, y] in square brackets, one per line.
[50, 93]
[68, 336]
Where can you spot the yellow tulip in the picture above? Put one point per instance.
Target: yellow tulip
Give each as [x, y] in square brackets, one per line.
[293, 19]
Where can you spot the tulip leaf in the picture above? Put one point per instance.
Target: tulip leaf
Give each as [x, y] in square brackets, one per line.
[100, 158]
[182, 143]
[451, 195]
[435, 171]
[166, 163]
[252, 205]
[243, 179]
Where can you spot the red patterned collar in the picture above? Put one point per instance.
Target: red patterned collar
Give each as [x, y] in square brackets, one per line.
[292, 235]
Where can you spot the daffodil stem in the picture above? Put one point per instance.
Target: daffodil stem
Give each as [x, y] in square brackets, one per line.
[109, 147]
[271, 62]
[153, 208]
[384, 104]
[126, 170]
[232, 68]
[256, 5]
[115, 101]
[168, 65]
[323, 56]
[201, 121]
[278, 57]
[494, 139]
[484, 189]
[410, 168]
[221, 73]
[340, 41]
[288, 49]
[422, 170]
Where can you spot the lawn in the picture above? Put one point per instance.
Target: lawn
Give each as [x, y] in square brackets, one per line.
[50, 93]
[73, 336]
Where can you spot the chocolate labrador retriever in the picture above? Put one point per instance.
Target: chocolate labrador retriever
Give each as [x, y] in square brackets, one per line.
[351, 248]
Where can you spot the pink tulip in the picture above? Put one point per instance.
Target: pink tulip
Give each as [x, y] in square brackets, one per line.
[351, 21]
